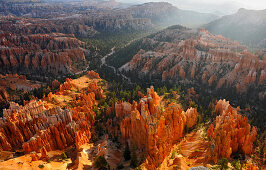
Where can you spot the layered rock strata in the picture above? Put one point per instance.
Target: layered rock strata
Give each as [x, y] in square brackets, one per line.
[39, 53]
[34, 128]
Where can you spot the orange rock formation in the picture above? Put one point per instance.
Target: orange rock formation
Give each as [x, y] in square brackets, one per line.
[42, 126]
[206, 58]
[232, 133]
[152, 129]
[52, 53]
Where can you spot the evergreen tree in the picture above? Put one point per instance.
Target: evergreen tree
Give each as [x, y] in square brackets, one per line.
[223, 163]
[127, 153]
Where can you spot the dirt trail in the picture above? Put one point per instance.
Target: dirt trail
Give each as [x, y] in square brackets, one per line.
[188, 153]
[194, 148]
[103, 147]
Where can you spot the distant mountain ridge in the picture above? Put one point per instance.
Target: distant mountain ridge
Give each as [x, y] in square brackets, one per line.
[165, 14]
[245, 26]
[20, 1]
[158, 14]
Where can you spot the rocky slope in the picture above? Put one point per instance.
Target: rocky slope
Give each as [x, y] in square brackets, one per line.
[71, 17]
[35, 9]
[165, 14]
[149, 127]
[67, 121]
[181, 54]
[40, 53]
[11, 85]
[231, 138]
[231, 134]
[27, 26]
[42, 125]
[212, 64]
[246, 26]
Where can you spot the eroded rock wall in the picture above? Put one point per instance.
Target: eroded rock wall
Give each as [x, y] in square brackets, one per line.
[39, 53]
[180, 54]
[152, 128]
[232, 133]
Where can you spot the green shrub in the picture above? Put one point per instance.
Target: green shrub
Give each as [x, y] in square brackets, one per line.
[236, 164]
[41, 166]
[63, 156]
[173, 154]
[223, 163]
[127, 153]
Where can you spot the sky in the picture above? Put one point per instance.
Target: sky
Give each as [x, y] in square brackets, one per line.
[211, 6]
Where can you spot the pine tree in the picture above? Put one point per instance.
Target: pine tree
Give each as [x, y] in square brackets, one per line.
[127, 153]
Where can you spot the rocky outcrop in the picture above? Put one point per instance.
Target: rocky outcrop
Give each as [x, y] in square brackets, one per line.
[55, 84]
[27, 26]
[91, 88]
[37, 129]
[85, 24]
[13, 85]
[42, 125]
[93, 75]
[32, 127]
[232, 133]
[151, 128]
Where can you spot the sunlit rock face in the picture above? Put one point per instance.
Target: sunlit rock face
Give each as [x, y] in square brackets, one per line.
[180, 54]
[35, 128]
[43, 125]
[232, 133]
[151, 128]
[39, 53]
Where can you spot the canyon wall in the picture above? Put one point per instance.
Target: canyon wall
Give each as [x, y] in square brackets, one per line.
[180, 54]
[40, 53]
